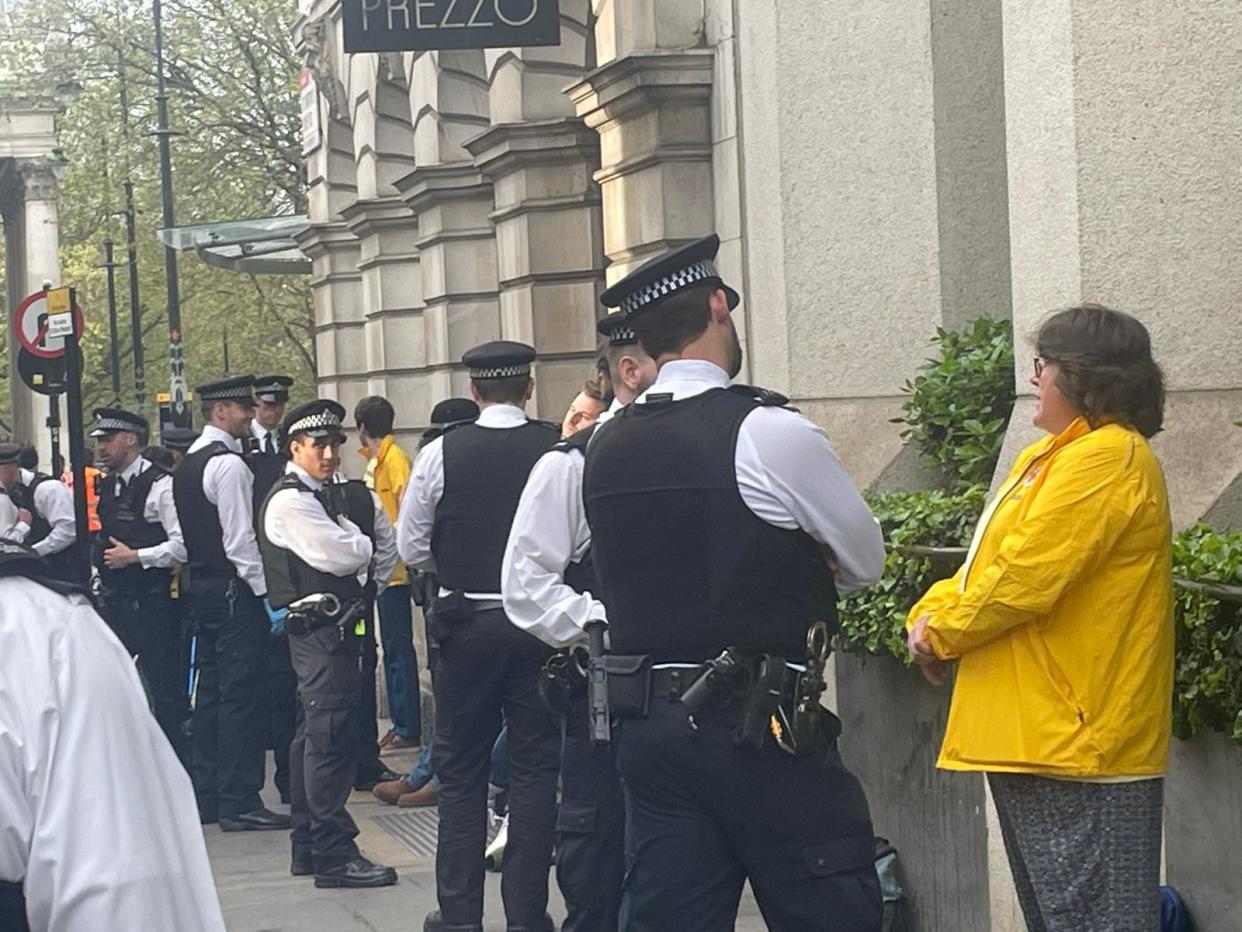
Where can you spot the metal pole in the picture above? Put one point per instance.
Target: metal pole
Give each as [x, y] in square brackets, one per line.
[77, 445]
[131, 244]
[112, 328]
[53, 426]
[224, 335]
[177, 386]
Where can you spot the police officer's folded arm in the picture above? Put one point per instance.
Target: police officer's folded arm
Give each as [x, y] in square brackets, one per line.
[298, 522]
[790, 476]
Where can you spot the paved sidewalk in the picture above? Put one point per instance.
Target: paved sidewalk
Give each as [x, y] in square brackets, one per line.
[259, 894]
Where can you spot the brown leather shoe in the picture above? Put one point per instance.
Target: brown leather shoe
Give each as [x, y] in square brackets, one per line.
[384, 741]
[427, 795]
[397, 743]
[391, 791]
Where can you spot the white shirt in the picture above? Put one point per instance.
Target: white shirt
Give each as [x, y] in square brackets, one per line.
[788, 476]
[549, 532]
[298, 522]
[228, 484]
[417, 517]
[8, 520]
[54, 501]
[71, 704]
[160, 508]
[261, 433]
[384, 561]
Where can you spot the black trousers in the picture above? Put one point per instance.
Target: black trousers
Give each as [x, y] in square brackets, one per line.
[366, 727]
[590, 829]
[149, 625]
[706, 815]
[233, 643]
[487, 667]
[323, 755]
[282, 704]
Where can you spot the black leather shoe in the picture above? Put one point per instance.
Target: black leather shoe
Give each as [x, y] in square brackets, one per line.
[303, 864]
[356, 872]
[547, 925]
[368, 783]
[435, 923]
[261, 820]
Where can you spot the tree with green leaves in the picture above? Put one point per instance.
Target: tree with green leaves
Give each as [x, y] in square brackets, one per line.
[232, 74]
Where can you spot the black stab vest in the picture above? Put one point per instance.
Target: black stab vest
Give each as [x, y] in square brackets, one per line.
[580, 576]
[289, 577]
[121, 516]
[485, 470]
[268, 469]
[62, 565]
[200, 519]
[686, 568]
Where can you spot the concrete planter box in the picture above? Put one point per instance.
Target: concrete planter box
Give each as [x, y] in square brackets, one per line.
[893, 723]
[1203, 830]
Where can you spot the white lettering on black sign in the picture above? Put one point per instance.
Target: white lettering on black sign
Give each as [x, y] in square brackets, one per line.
[396, 25]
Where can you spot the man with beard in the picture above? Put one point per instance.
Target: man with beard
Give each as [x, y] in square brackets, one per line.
[711, 511]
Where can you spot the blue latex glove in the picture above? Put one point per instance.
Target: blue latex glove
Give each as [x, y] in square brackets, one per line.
[275, 617]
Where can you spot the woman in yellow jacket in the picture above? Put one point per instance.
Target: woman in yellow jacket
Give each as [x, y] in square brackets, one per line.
[1061, 623]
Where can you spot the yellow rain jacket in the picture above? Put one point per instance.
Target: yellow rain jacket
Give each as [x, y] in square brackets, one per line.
[1062, 616]
[387, 475]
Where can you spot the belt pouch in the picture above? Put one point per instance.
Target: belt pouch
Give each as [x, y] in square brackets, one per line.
[759, 701]
[448, 612]
[629, 685]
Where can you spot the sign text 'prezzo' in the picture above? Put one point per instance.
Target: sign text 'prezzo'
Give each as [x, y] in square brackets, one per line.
[400, 25]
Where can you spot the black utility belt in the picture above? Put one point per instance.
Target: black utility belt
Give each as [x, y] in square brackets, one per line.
[324, 610]
[769, 699]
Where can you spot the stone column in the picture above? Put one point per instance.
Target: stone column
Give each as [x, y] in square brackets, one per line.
[41, 259]
[549, 245]
[457, 249]
[1124, 140]
[392, 299]
[336, 284]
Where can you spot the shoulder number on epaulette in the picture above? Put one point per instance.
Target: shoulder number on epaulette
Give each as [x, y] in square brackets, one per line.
[764, 397]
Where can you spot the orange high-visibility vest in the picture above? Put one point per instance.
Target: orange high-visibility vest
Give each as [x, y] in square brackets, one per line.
[93, 478]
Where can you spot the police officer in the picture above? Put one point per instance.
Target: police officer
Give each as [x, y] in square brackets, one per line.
[710, 509]
[455, 518]
[214, 492]
[46, 521]
[178, 440]
[138, 544]
[550, 590]
[267, 462]
[318, 562]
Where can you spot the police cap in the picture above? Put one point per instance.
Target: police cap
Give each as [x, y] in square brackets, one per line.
[317, 419]
[617, 329]
[664, 276]
[111, 420]
[178, 438]
[500, 359]
[9, 452]
[238, 388]
[274, 389]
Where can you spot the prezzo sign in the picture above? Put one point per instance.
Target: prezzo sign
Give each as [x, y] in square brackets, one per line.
[401, 25]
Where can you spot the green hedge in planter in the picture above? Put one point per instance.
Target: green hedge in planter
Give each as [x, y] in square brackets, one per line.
[873, 619]
[1208, 670]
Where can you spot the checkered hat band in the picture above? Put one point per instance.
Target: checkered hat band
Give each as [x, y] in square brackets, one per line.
[242, 393]
[316, 421]
[114, 423]
[673, 282]
[623, 335]
[501, 372]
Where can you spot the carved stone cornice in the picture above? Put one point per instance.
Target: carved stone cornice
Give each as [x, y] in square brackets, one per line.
[641, 81]
[40, 178]
[507, 147]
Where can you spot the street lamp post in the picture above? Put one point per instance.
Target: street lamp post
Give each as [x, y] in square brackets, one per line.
[177, 389]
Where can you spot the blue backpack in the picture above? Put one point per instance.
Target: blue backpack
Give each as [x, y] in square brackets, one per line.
[1174, 917]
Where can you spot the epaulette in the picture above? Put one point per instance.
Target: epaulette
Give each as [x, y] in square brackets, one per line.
[576, 441]
[548, 424]
[764, 397]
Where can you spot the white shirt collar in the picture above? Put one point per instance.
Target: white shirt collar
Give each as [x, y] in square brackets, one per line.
[134, 469]
[608, 415]
[211, 433]
[307, 479]
[28, 476]
[502, 416]
[685, 378]
[258, 430]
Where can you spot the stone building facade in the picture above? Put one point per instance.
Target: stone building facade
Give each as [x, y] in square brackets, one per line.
[874, 170]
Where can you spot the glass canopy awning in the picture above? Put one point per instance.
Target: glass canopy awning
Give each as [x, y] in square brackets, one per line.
[262, 246]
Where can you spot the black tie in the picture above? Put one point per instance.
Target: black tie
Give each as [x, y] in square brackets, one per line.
[269, 446]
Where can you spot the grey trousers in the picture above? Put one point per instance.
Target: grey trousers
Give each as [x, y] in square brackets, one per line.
[1085, 856]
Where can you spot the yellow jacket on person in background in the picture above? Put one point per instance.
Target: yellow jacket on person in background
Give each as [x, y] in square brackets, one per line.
[1062, 616]
[387, 475]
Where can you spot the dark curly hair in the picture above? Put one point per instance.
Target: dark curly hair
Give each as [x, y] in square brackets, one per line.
[1105, 366]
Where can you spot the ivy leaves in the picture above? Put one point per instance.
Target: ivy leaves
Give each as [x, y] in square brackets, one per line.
[960, 401]
[1207, 688]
